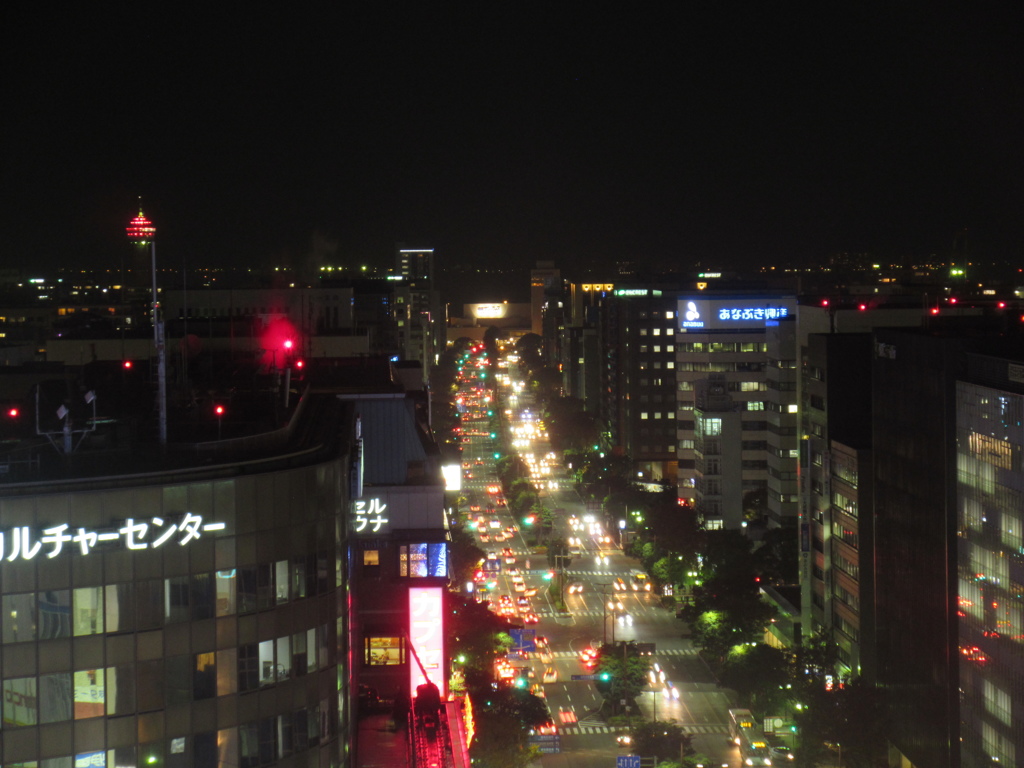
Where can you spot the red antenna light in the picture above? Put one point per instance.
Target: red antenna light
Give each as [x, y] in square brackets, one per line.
[1002, 305]
[141, 229]
[935, 310]
[218, 410]
[13, 413]
[824, 302]
[288, 343]
[299, 363]
[127, 364]
[862, 307]
[952, 300]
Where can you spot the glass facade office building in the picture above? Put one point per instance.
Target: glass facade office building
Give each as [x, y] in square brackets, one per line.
[186, 618]
[990, 574]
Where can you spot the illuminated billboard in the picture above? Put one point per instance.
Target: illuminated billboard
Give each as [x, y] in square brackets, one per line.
[426, 636]
[704, 314]
[488, 311]
[452, 474]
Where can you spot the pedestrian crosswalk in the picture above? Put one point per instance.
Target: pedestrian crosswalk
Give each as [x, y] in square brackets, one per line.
[665, 652]
[689, 729]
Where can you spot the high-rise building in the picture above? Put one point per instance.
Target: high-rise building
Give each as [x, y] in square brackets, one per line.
[418, 313]
[948, 432]
[727, 334]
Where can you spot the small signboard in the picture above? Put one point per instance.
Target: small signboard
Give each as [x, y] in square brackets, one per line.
[627, 761]
[584, 677]
[547, 743]
[524, 639]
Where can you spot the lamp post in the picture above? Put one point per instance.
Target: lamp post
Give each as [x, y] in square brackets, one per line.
[142, 232]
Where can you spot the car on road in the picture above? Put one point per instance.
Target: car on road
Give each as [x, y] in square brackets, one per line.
[625, 740]
[550, 675]
[519, 586]
[485, 537]
[531, 618]
[538, 690]
[780, 752]
[620, 585]
[575, 588]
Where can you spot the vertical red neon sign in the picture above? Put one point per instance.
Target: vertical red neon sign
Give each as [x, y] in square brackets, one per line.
[426, 631]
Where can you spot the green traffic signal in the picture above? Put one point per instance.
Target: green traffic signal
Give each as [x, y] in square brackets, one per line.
[606, 676]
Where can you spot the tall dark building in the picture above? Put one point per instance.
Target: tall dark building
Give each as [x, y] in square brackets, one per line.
[949, 446]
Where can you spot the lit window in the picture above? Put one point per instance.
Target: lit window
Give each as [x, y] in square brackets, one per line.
[656, 331]
[384, 651]
[669, 315]
[643, 414]
[791, 408]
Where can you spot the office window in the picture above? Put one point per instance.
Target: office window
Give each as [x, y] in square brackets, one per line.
[176, 599]
[656, 331]
[281, 581]
[120, 689]
[384, 651]
[56, 698]
[423, 559]
[227, 595]
[204, 676]
[755, 405]
[202, 598]
[120, 607]
[20, 701]
[55, 613]
[90, 693]
[19, 617]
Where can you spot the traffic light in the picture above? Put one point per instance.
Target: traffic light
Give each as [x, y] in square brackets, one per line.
[530, 519]
[605, 676]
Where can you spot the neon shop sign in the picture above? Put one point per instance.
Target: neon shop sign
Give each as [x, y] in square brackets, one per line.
[25, 543]
[368, 513]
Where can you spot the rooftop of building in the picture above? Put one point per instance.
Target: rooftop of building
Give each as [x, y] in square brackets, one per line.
[99, 422]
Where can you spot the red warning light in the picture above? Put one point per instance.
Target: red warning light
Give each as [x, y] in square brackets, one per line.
[300, 364]
[127, 365]
[862, 307]
[824, 302]
[1002, 305]
[288, 344]
[935, 310]
[218, 410]
[13, 413]
[952, 300]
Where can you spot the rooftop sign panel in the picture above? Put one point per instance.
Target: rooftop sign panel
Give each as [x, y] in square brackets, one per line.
[733, 314]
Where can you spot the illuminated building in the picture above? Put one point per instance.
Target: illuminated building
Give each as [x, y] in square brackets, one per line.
[735, 338]
[948, 432]
[215, 603]
[172, 608]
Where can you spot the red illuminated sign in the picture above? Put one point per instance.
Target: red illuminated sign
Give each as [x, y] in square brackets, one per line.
[426, 634]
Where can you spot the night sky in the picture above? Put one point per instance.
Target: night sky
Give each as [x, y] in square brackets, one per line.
[733, 134]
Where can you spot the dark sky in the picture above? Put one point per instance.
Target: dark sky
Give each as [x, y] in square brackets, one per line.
[731, 133]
